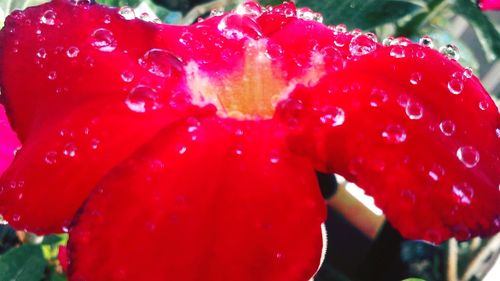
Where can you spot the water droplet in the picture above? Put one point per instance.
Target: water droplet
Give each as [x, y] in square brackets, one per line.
[394, 134]
[468, 155]
[94, 143]
[332, 116]
[450, 51]
[403, 100]
[341, 39]
[274, 50]
[107, 19]
[415, 78]
[397, 51]
[249, 8]
[16, 217]
[463, 192]
[52, 75]
[48, 17]
[182, 150]
[237, 27]
[72, 52]
[387, 41]
[426, 41]
[436, 172]
[333, 59]
[455, 86]
[467, 73]
[51, 157]
[447, 127]
[497, 131]
[274, 159]
[127, 76]
[216, 12]
[103, 40]
[161, 63]
[362, 45]
[142, 99]
[82, 2]
[127, 13]
[484, 104]
[70, 149]
[378, 97]
[414, 110]
[42, 53]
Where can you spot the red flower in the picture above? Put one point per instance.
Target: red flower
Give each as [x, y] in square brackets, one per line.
[203, 140]
[9, 142]
[489, 4]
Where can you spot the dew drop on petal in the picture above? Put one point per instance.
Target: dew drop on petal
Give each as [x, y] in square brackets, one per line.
[72, 52]
[468, 155]
[378, 97]
[249, 8]
[436, 172]
[426, 41]
[362, 45]
[41, 53]
[397, 51]
[394, 134]
[236, 27]
[103, 40]
[70, 149]
[415, 78]
[51, 157]
[16, 217]
[142, 98]
[414, 110]
[332, 116]
[450, 51]
[127, 13]
[497, 131]
[48, 17]
[216, 12]
[127, 76]
[82, 2]
[94, 143]
[52, 75]
[447, 127]
[463, 192]
[455, 86]
[484, 104]
[467, 73]
[161, 63]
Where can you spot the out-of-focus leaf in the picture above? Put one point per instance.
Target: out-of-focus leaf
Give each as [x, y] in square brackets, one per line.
[413, 279]
[120, 3]
[7, 6]
[25, 263]
[486, 32]
[365, 14]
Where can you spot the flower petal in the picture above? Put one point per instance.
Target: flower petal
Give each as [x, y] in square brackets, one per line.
[211, 199]
[415, 130]
[9, 141]
[88, 105]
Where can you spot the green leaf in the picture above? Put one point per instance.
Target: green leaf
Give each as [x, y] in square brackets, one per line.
[486, 32]
[25, 263]
[120, 3]
[365, 14]
[413, 279]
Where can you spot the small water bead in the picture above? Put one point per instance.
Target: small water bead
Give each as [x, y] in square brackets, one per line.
[305, 14]
[447, 127]
[52, 75]
[394, 134]
[414, 110]
[397, 51]
[332, 58]
[467, 73]
[415, 78]
[127, 76]
[378, 97]
[341, 39]
[107, 19]
[48, 17]
[387, 41]
[436, 172]
[332, 116]
[72, 52]
[463, 192]
[403, 100]
[497, 131]
[249, 8]
[450, 51]
[103, 40]
[455, 86]
[362, 45]
[70, 149]
[216, 12]
[16, 217]
[161, 63]
[274, 50]
[82, 2]
[94, 143]
[238, 27]
[468, 155]
[142, 99]
[484, 104]
[51, 157]
[426, 41]
[127, 13]
[41, 53]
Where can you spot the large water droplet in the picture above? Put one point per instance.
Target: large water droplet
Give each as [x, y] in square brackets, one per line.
[397, 51]
[455, 86]
[249, 8]
[103, 40]
[414, 110]
[468, 155]
[362, 45]
[394, 134]
[237, 27]
[450, 51]
[332, 116]
[48, 17]
[463, 192]
[161, 63]
[447, 127]
[127, 13]
[142, 99]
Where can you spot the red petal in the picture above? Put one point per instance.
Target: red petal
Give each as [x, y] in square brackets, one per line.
[81, 111]
[210, 200]
[389, 123]
[9, 142]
